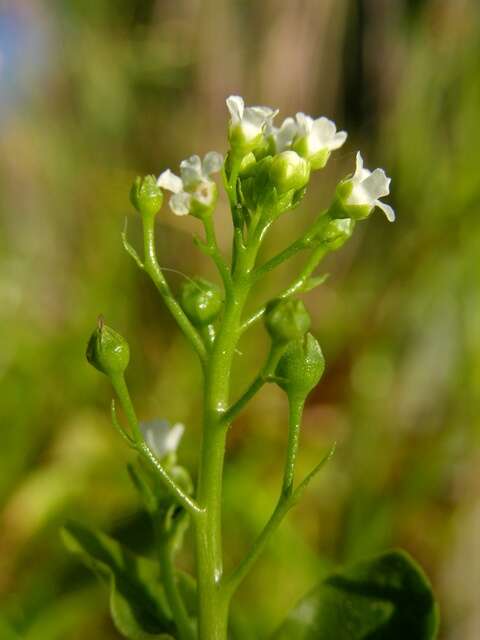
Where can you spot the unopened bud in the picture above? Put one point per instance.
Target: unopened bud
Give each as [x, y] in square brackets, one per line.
[146, 196]
[301, 366]
[289, 171]
[107, 350]
[286, 320]
[201, 300]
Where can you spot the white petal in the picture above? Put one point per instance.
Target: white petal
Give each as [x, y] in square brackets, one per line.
[360, 173]
[168, 180]
[180, 203]
[324, 129]
[387, 210]
[236, 106]
[212, 162]
[284, 136]
[191, 170]
[258, 116]
[160, 437]
[377, 184]
[338, 140]
[305, 124]
[173, 437]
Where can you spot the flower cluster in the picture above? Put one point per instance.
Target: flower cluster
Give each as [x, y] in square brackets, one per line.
[298, 146]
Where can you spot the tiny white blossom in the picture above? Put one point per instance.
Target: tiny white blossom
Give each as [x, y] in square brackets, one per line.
[161, 437]
[319, 135]
[195, 182]
[368, 187]
[282, 136]
[247, 123]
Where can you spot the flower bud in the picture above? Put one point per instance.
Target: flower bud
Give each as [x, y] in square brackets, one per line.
[337, 232]
[107, 350]
[201, 300]
[301, 366]
[289, 171]
[146, 196]
[286, 320]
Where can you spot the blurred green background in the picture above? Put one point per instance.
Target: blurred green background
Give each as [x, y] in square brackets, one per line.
[94, 92]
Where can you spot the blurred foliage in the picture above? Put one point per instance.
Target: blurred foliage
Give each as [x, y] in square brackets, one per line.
[95, 92]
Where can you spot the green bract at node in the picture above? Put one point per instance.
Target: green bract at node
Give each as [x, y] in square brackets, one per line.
[107, 350]
[201, 300]
[286, 320]
[146, 196]
[301, 367]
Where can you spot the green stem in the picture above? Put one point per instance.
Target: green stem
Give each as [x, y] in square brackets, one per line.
[212, 604]
[295, 405]
[169, 581]
[233, 581]
[153, 269]
[297, 285]
[214, 251]
[267, 371]
[121, 389]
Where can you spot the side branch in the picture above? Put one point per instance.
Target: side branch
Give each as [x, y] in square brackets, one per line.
[210, 247]
[153, 269]
[137, 442]
[265, 374]
[284, 504]
[304, 282]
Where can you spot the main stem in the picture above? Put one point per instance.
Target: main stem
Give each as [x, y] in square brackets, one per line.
[212, 601]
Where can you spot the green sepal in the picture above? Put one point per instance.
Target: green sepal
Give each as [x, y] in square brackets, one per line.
[385, 598]
[340, 207]
[138, 604]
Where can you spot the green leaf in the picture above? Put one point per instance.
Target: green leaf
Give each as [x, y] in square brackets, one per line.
[137, 600]
[385, 598]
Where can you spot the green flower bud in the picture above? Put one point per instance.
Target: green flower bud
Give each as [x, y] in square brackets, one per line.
[301, 366]
[107, 350]
[146, 196]
[337, 232]
[201, 300]
[286, 320]
[289, 171]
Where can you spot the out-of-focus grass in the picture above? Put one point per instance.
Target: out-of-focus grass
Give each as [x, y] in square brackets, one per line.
[136, 87]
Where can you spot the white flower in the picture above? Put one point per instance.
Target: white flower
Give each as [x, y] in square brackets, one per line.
[247, 123]
[162, 438]
[314, 137]
[194, 184]
[368, 187]
[282, 137]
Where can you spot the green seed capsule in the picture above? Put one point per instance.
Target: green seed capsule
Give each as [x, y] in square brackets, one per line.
[146, 196]
[201, 300]
[286, 320]
[107, 350]
[301, 366]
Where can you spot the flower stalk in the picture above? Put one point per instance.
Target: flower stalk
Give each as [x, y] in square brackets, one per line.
[265, 175]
